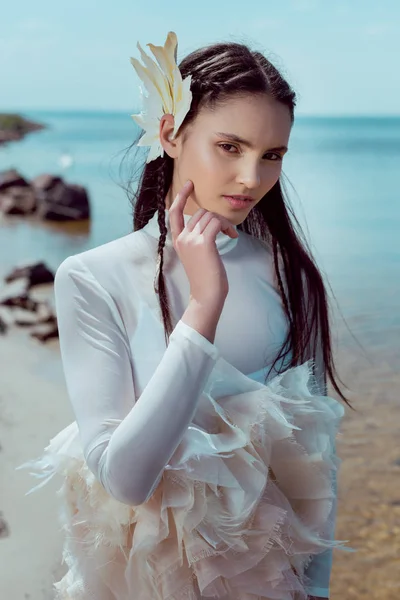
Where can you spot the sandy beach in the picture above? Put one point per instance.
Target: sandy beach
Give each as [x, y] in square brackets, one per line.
[34, 406]
[369, 481]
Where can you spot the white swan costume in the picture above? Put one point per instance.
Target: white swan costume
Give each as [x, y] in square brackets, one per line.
[185, 476]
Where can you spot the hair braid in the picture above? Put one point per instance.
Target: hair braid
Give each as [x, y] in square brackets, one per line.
[159, 281]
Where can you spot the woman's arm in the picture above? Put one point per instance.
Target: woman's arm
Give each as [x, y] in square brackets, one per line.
[126, 441]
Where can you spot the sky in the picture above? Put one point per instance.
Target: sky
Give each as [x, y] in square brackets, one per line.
[341, 56]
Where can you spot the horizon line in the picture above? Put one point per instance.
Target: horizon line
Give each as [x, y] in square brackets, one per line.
[130, 111]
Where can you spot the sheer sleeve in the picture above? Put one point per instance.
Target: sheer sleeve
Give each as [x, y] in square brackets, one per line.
[319, 569]
[127, 441]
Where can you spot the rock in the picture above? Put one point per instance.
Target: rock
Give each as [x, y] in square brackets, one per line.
[49, 197]
[43, 336]
[4, 529]
[14, 127]
[21, 301]
[36, 274]
[45, 182]
[18, 201]
[50, 320]
[61, 201]
[3, 326]
[16, 195]
[11, 178]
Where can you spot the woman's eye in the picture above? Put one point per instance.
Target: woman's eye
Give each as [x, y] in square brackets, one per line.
[227, 146]
[273, 156]
[276, 156]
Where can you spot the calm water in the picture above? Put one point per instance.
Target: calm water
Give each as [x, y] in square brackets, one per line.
[345, 178]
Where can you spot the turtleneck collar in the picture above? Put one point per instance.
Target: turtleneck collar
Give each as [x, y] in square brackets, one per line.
[224, 243]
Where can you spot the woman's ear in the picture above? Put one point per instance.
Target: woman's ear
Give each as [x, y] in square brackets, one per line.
[171, 146]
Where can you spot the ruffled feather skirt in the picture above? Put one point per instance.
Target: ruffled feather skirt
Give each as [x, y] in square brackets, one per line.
[242, 507]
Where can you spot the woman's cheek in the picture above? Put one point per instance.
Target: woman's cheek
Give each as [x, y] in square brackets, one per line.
[197, 163]
[207, 159]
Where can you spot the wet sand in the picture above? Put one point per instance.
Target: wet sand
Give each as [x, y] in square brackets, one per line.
[34, 407]
[369, 480]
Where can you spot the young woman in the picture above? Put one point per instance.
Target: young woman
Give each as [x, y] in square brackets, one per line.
[202, 460]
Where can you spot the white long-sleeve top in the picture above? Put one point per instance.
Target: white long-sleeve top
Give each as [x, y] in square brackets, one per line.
[133, 398]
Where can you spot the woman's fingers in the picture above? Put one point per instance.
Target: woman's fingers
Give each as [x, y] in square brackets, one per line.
[201, 218]
[175, 212]
[229, 229]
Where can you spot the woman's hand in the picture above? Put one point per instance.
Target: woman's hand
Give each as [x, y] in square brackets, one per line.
[197, 250]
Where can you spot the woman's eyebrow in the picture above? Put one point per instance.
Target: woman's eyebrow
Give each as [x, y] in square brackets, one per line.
[235, 138]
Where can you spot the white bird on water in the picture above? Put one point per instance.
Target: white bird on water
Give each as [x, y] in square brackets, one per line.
[65, 161]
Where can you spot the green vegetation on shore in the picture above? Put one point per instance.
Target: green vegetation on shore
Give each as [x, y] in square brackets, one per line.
[14, 127]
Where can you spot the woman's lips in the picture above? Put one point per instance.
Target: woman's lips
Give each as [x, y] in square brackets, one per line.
[238, 202]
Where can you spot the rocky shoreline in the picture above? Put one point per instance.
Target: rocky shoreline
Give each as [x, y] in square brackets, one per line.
[14, 127]
[46, 196]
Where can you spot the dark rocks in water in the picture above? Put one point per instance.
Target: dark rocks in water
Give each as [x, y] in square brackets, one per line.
[44, 336]
[16, 195]
[4, 529]
[45, 182]
[21, 301]
[45, 320]
[41, 314]
[35, 274]
[3, 326]
[63, 202]
[49, 320]
[18, 201]
[11, 178]
[48, 197]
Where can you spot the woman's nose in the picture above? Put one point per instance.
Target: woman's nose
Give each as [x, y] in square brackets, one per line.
[249, 176]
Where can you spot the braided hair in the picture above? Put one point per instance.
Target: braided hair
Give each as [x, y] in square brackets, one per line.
[159, 284]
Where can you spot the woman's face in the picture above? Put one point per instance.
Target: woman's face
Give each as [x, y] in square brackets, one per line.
[234, 149]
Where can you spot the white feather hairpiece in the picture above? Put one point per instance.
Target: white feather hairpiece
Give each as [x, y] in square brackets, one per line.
[167, 93]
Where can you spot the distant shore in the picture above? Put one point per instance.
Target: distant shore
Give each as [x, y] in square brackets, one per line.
[14, 127]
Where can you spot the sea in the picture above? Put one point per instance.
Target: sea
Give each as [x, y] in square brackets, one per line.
[342, 176]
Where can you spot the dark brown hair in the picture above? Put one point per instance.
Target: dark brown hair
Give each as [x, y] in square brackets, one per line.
[220, 72]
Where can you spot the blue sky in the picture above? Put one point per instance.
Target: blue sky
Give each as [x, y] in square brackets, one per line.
[340, 55]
